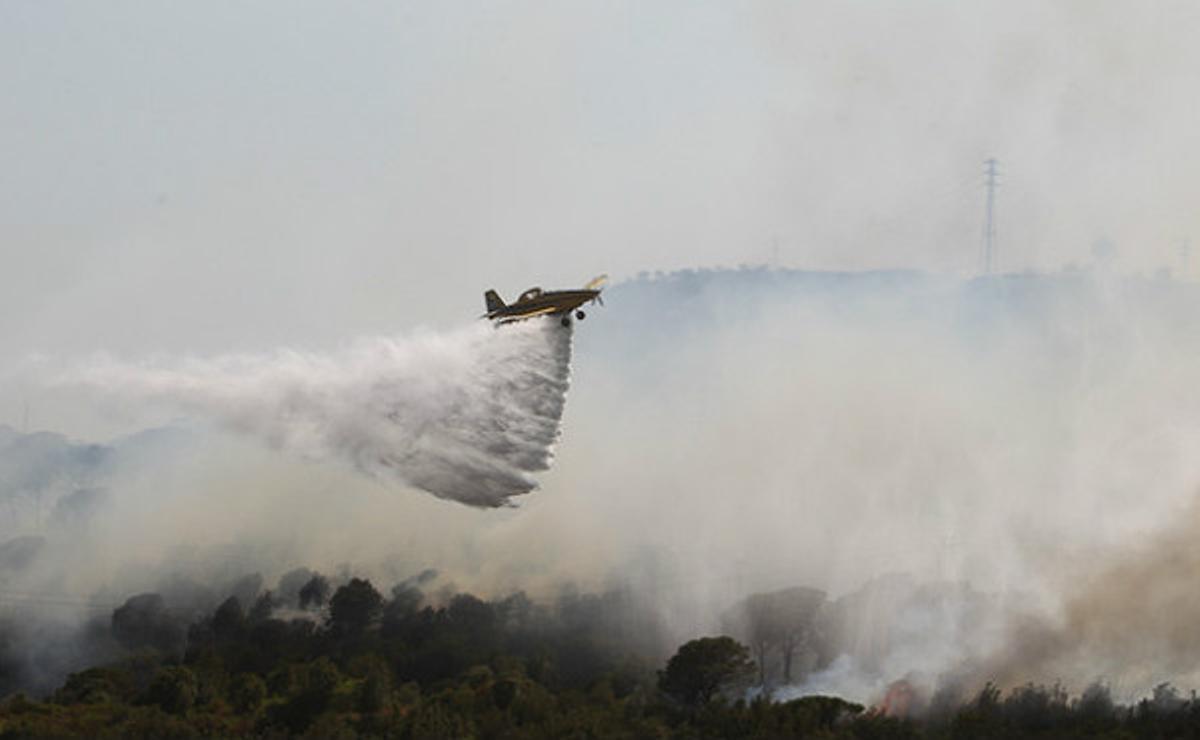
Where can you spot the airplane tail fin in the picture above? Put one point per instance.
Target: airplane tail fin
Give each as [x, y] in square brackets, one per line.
[493, 301]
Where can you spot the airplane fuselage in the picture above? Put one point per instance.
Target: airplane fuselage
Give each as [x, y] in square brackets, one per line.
[551, 303]
[538, 302]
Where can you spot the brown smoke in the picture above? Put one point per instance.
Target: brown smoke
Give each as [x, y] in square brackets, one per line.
[1132, 613]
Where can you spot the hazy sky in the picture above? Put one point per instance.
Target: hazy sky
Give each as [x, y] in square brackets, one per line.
[204, 178]
[226, 175]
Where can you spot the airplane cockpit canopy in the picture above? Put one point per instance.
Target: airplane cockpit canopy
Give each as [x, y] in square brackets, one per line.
[529, 295]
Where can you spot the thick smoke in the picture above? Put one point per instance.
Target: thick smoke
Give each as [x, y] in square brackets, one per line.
[467, 416]
[1020, 448]
[1014, 445]
[1130, 616]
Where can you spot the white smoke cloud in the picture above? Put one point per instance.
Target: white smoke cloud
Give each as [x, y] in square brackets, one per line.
[728, 434]
[468, 416]
[837, 428]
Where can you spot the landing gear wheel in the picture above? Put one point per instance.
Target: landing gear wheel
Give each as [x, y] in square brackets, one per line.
[580, 315]
[566, 320]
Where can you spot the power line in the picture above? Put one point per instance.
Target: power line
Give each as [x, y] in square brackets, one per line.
[31, 599]
[989, 228]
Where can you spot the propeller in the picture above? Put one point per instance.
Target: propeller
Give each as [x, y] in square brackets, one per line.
[597, 284]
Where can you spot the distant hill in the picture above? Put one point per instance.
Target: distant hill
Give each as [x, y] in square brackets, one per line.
[653, 311]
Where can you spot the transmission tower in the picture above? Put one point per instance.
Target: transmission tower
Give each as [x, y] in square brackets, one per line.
[989, 225]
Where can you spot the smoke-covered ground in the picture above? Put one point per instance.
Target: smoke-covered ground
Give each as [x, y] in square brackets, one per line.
[1019, 450]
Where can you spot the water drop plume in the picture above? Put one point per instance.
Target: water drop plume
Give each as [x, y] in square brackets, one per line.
[469, 415]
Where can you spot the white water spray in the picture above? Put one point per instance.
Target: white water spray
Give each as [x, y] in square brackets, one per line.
[468, 416]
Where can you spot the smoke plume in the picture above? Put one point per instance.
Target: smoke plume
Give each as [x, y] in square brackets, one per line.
[1021, 449]
[1130, 616]
[468, 416]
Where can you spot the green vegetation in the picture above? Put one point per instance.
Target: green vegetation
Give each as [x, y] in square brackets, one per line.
[705, 668]
[367, 666]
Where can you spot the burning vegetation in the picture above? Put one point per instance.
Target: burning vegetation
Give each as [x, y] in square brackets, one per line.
[325, 656]
[915, 558]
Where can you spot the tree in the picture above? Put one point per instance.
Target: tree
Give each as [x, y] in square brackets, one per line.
[96, 686]
[782, 621]
[1166, 698]
[374, 691]
[247, 693]
[144, 621]
[263, 607]
[704, 667]
[801, 606]
[400, 610]
[355, 608]
[320, 681]
[229, 620]
[173, 690]
[290, 584]
[315, 592]
[1095, 703]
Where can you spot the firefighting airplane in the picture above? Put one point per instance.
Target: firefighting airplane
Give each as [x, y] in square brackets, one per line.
[538, 302]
